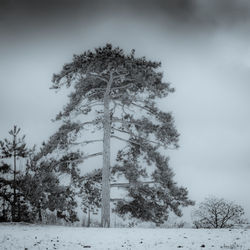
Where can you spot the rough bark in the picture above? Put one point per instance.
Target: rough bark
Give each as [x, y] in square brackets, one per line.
[105, 220]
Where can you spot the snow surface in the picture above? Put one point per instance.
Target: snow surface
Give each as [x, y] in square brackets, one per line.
[42, 237]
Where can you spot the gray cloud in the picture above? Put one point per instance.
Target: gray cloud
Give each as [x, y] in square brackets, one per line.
[204, 48]
[197, 13]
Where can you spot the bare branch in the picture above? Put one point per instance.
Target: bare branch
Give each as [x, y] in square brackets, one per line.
[144, 108]
[94, 93]
[123, 108]
[88, 123]
[124, 122]
[125, 140]
[96, 76]
[114, 95]
[122, 87]
[123, 131]
[79, 159]
[91, 155]
[91, 104]
[127, 185]
[141, 138]
[82, 109]
[85, 142]
[119, 76]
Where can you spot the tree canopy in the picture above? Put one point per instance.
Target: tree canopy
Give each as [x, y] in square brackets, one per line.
[118, 93]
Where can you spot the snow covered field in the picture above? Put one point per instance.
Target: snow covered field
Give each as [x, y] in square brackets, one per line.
[25, 237]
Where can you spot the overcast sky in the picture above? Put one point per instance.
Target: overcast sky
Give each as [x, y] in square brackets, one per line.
[204, 47]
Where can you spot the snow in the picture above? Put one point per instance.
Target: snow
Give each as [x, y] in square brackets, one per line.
[42, 237]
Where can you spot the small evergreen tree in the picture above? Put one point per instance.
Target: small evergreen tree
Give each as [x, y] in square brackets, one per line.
[5, 192]
[90, 192]
[44, 191]
[15, 149]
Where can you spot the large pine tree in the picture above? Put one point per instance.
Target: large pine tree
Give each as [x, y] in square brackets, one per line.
[117, 93]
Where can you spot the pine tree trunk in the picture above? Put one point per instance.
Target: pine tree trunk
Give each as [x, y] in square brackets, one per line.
[88, 225]
[105, 219]
[4, 212]
[40, 214]
[19, 209]
[14, 202]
